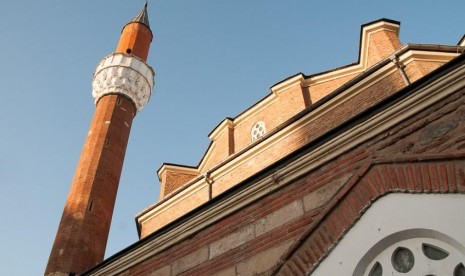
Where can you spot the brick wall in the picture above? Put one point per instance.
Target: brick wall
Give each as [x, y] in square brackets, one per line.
[173, 180]
[81, 239]
[358, 100]
[311, 131]
[222, 147]
[382, 44]
[425, 154]
[319, 90]
[290, 230]
[381, 41]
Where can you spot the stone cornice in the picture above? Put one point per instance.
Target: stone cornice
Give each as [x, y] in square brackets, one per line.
[462, 41]
[299, 79]
[425, 55]
[126, 75]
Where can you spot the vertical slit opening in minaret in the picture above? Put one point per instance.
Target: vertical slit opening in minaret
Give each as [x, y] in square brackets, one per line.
[90, 205]
[128, 50]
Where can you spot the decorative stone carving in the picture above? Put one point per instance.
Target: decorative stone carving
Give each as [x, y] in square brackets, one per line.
[125, 75]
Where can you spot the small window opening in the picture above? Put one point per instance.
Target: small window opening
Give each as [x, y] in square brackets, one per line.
[403, 260]
[128, 50]
[434, 252]
[90, 206]
[459, 270]
[258, 131]
[376, 270]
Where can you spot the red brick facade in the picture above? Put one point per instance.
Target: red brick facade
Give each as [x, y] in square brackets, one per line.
[376, 169]
[337, 142]
[291, 230]
[232, 137]
[425, 154]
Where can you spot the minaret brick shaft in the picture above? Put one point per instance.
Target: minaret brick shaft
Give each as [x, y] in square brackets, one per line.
[122, 85]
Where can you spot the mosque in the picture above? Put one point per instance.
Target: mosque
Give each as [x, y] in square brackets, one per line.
[359, 171]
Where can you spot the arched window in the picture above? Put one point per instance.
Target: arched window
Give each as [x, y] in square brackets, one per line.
[417, 256]
[403, 234]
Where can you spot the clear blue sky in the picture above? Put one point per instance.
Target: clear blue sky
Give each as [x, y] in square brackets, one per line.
[213, 59]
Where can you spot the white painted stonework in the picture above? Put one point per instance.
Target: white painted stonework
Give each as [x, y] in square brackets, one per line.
[257, 131]
[402, 220]
[420, 263]
[125, 75]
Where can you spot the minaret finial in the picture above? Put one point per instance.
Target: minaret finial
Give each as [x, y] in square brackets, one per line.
[142, 17]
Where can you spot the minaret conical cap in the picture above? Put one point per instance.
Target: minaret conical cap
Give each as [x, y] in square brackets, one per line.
[142, 17]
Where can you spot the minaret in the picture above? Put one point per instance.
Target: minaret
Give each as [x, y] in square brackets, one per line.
[122, 85]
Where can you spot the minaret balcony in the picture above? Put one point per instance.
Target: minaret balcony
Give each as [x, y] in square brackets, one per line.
[126, 75]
